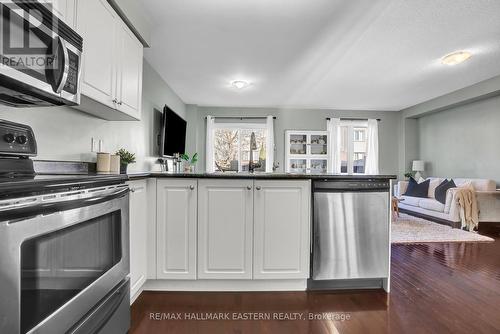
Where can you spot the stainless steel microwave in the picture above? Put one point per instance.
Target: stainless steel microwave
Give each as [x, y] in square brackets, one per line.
[40, 56]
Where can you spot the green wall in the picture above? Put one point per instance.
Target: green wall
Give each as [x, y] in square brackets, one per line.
[462, 141]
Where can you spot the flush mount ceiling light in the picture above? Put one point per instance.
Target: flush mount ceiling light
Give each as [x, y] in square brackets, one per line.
[456, 58]
[240, 84]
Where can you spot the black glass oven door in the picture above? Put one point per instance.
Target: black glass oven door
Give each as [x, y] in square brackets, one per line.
[55, 267]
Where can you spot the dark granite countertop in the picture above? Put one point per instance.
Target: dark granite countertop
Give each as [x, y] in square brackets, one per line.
[258, 175]
[45, 183]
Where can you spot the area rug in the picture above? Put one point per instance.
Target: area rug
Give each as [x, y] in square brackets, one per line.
[411, 230]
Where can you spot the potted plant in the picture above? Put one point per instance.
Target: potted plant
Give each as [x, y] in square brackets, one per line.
[409, 174]
[125, 158]
[189, 162]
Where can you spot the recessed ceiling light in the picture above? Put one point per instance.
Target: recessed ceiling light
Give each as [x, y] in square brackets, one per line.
[456, 58]
[240, 84]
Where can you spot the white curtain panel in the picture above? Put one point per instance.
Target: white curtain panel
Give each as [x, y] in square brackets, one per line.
[372, 148]
[209, 151]
[333, 128]
[270, 144]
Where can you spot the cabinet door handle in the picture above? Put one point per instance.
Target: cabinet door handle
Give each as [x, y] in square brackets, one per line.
[258, 188]
[115, 101]
[191, 187]
[132, 190]
[249, 187]
[120, 103]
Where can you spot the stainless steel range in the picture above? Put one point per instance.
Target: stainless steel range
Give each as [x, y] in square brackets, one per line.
[64, 247]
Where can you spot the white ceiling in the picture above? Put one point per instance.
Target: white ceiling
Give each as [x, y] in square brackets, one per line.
[351, 54]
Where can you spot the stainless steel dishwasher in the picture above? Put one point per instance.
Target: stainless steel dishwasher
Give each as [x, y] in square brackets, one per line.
[350, 234]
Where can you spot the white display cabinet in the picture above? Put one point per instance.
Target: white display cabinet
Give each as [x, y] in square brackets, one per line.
[306, 152]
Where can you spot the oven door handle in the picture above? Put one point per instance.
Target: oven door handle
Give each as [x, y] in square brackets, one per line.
[18, 213]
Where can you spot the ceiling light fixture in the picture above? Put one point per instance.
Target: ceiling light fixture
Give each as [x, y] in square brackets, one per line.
[456, 58]
[240, 84]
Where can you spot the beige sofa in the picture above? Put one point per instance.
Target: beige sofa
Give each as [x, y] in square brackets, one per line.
[429, 208]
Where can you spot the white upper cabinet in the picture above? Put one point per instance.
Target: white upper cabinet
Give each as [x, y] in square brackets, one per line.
[111, 63]
[176, 228]
[64, 9]
[139, 218]
[225, 228]
[129, 83]
[281, 227]
[97, 25]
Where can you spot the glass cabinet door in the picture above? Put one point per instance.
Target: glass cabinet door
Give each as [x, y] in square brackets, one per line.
[319, 166]
[298, 165]
[319, 145]
[306, 151]
[298, 145]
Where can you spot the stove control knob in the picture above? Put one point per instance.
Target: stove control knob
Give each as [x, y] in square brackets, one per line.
[22, 139]
[9, 138]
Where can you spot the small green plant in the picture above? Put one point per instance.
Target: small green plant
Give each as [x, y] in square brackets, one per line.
[125, 156]
[409, 174]
[192, 160]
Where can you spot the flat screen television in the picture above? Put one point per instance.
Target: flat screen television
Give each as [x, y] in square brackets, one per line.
[172, 133]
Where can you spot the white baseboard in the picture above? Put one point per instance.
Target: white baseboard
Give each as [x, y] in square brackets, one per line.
[225, 285]
[386, 284]
[136, 289]
[136, 295]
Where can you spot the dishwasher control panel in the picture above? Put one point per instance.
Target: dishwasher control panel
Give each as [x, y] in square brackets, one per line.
[348, 185]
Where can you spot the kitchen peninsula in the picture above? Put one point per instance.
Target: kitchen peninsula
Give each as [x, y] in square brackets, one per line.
[239, 231]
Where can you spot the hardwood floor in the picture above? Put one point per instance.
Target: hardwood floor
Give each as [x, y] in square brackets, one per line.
[436, 288]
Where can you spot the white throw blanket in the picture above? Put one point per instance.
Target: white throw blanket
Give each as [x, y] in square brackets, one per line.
[469, 211]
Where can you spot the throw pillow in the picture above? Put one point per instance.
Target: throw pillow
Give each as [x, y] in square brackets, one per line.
[416, 189]
[441, 190]
[432, 187]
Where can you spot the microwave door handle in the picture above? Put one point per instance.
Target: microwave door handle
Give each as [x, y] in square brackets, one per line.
[64, 74]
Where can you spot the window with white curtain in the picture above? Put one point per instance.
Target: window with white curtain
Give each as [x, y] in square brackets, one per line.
[353, 147]
[231, 146]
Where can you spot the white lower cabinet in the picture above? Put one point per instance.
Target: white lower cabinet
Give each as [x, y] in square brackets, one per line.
[225, 229]
[138, 219]
[176, 228]
[233, 229]
[281, 229]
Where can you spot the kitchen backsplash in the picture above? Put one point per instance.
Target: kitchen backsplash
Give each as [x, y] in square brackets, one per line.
[64, 133]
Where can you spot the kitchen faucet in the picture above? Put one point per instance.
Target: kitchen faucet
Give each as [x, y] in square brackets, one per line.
[253, 146]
